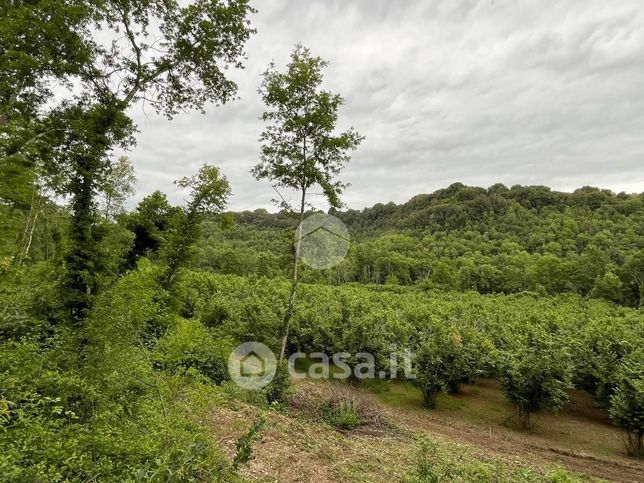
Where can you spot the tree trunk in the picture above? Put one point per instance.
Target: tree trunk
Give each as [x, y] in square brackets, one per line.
[288, 315]
[429, 398]
[523, 418]
[25, 236]
[31, 231]
[290, 307]
[635, 444]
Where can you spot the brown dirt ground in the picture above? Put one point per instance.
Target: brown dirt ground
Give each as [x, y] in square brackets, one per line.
[507, 442]
[292, 449]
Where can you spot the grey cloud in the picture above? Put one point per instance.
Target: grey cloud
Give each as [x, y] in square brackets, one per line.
[536, 92]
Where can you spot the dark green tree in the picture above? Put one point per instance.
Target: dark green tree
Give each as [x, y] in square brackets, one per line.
[170, 55]
[150, 223]
[209, 192]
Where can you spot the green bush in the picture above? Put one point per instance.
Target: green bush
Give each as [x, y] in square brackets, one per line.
[189, 344]
[627, 404]
[427, 469]
[441, 363]
[342, 413]
[535, 375]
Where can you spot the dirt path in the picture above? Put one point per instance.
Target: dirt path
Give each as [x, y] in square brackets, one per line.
[508, 443]
[296, 449]
[504, 441]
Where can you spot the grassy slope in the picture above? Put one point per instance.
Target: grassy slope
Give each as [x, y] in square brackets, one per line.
[469, 441]
[292, 450]
[485, 404]
[581, 437]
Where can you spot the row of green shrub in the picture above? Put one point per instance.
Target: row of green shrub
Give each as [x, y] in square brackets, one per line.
[538, 347]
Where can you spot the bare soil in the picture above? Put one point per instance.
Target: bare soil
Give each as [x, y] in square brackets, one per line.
[581, 439]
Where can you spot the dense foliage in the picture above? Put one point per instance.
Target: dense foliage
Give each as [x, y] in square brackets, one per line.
[538, 346]
[115, 418]
[495, 240]
[89, 392]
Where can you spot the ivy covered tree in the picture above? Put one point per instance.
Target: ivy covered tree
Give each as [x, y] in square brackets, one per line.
[300, 148]
[172, 56]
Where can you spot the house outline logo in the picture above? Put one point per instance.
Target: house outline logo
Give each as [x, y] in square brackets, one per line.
[323, 241]
[252, 365]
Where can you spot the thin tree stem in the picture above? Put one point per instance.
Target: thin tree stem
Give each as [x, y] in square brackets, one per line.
[290, 307]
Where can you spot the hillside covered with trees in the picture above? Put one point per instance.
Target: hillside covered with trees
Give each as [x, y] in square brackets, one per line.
[494, 240]
[119, 327]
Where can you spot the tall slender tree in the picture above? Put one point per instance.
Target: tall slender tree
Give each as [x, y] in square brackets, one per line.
[300, 148]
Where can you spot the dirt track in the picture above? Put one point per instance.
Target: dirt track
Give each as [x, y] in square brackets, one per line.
[508, 443]
[292, 450]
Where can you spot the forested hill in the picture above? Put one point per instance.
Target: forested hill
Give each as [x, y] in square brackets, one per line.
[460, 206]
[495, 240]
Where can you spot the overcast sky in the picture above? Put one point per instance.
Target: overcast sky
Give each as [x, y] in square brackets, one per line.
[481, 92]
